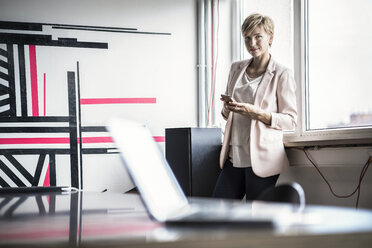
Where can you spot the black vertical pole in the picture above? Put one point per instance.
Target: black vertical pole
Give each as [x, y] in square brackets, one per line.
[52, 164]
[80, 133]
[22, 78]
[73, 129]
[12, 94]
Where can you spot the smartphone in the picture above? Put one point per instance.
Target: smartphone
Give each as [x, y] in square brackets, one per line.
[226, 98]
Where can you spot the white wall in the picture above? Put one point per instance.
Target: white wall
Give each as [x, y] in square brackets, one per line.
[161, 66]
[134, 65]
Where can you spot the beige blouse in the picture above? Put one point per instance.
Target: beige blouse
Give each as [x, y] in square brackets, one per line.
[245, 91]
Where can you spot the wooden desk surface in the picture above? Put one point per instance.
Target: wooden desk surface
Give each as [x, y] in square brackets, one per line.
[119, 220]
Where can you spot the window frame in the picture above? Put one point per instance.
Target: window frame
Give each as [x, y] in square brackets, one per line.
[301, 136]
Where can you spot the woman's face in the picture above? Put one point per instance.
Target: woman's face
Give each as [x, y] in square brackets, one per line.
[257, 42]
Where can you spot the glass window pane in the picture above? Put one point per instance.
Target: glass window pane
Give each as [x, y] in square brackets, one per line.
[340, 73]
[282, 48]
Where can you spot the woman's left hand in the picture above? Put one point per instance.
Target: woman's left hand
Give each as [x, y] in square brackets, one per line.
[250, 110]
[241, 108]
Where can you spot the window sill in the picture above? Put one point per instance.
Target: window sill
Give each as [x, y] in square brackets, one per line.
[329, 137]
[330, 142]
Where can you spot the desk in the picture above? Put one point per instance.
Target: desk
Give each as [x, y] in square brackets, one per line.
[119, 220]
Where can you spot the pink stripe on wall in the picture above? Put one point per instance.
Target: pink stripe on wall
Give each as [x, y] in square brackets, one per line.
[13, 141]
[159, 138]
[86, 101]
[33, 74]
[96, 140]
[47, 177]
[62, 140]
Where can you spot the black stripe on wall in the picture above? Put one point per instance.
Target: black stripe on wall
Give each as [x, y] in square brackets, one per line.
[4, 76]
[79, 118]
[11, 175]
[46, 40]
[20, 38]
[56, 151]
[87, 26]
[3, 89]
[4, 64]
[3, 52]
[73, 129]
[19, 167]
[5, 102]
[32, 26]
[94, 129]
[22, 79]
[21, 151]
[12, 93]
[3, 184]
[112, 31]
[35, 119]
[52, 167]
[38, 170]
[34, 130]
[21, 26]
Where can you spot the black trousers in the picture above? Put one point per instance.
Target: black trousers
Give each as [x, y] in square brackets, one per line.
[234, 183]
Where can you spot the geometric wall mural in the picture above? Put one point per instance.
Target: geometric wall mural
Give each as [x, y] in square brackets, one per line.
[37, 128]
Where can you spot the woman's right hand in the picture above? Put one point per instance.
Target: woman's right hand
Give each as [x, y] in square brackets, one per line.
[226, 104]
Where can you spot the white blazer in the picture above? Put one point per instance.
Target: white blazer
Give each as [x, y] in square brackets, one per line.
[277, 95]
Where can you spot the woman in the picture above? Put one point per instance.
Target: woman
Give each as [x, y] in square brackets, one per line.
[262, 104]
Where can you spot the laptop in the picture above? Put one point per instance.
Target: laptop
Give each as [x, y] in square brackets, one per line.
[161, 193]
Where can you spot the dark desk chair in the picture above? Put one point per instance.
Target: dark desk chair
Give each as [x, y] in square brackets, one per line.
[286, 193]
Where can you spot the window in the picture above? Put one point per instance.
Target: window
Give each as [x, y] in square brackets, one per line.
[282, 48]
[326, 43]
[339, 68]
[334, 75]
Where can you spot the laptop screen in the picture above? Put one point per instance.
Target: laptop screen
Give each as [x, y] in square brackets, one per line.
[148, 168]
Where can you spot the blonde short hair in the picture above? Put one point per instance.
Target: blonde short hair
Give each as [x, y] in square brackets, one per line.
[255, 20]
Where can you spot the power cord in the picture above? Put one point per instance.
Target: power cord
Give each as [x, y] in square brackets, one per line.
[357, 189]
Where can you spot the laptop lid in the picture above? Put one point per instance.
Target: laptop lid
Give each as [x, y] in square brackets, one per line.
[148, 168]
